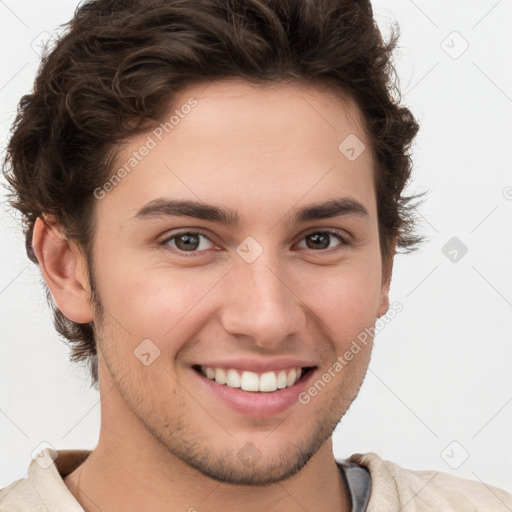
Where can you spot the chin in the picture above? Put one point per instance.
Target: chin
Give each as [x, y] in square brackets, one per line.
[252, 464]
[252, 469]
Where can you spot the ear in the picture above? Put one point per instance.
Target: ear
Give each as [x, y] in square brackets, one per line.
[387, 271]
[64, 269]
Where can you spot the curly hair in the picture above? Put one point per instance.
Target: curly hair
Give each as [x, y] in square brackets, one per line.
[119, 64]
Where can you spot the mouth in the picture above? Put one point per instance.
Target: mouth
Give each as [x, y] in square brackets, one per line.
[252, 387]
[254, 382]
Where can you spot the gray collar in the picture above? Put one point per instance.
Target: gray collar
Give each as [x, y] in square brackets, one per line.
[359, 484]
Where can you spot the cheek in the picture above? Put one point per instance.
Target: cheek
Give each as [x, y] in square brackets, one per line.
[347, 300]
[153, 302]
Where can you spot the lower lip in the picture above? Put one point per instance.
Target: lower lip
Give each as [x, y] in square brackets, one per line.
[257, 404]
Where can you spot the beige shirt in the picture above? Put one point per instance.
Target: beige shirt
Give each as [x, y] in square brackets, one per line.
[394, 489]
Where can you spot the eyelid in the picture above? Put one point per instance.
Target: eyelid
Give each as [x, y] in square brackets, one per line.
[182, 231]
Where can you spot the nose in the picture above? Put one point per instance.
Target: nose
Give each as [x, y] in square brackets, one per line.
[259, 302]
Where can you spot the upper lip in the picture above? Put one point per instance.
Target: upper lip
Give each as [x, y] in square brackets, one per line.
[259, 365]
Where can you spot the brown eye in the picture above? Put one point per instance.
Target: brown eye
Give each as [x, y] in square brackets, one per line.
[321, 240]
[188, 241]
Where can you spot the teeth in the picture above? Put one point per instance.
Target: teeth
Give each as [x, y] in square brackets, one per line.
[291, 378]
[268, 382]
[250, 381]
[220, 375]
[233, 379]
[281, 380]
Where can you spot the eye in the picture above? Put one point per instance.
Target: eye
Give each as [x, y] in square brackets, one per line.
[322, 239]
[188, 241]
[194, 242]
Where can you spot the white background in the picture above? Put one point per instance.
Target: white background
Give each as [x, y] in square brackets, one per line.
[441, 370]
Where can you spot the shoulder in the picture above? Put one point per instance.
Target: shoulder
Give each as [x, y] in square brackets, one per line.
[19, 496]
[43, 488]
[398, 488]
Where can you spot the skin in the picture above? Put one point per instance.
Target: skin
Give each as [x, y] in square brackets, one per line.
[166, 442]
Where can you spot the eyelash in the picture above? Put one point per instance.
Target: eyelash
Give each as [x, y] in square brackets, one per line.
[344, 241]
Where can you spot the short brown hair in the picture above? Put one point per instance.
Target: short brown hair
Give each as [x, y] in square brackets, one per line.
[119, 65]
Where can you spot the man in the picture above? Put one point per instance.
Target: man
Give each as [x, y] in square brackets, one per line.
[212, 191]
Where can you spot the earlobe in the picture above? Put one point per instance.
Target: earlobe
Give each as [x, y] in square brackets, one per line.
[384, 300]
[387, 271]
[64, 270]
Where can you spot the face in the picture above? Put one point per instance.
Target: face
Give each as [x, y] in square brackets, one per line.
[262, 278]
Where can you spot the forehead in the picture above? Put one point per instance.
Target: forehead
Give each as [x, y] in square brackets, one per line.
[264, 109]
[234, 142]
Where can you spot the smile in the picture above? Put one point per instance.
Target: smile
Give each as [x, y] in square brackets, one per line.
[266, 382]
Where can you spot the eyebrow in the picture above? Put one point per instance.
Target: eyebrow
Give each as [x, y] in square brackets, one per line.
[163, 207]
